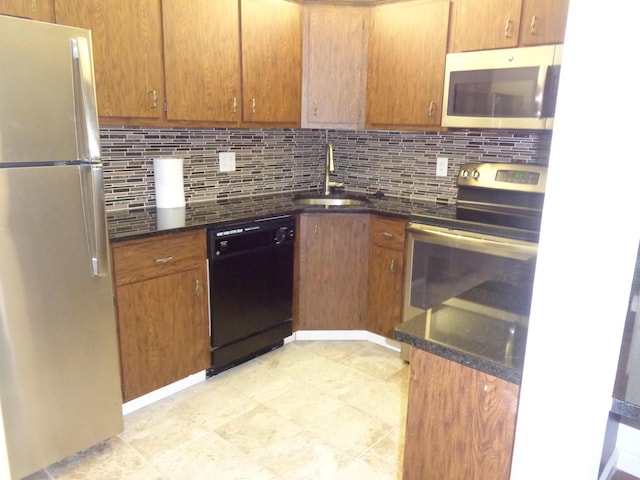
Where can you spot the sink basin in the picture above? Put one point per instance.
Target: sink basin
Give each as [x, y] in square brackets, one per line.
[332, 201]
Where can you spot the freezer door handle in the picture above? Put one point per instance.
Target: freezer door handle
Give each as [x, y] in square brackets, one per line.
[94, 217]
[88, 137]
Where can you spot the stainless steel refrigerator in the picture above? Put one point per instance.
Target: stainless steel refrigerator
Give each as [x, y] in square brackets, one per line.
[59, 371]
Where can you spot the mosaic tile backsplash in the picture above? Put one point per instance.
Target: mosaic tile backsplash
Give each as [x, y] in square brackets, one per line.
[275, 160]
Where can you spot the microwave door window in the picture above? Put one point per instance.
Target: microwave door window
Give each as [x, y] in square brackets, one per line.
[507, 92]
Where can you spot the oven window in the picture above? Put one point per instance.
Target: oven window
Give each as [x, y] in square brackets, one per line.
[473, 299]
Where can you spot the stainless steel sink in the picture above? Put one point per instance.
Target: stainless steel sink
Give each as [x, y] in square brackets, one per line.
[332, 201]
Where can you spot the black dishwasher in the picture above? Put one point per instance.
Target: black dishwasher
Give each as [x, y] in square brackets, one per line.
[251, 289]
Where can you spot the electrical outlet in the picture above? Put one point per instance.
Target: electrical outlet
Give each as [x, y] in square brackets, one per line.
[442, 163]
[227, 161]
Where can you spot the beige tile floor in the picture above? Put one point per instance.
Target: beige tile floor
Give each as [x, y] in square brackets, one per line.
[309, 410]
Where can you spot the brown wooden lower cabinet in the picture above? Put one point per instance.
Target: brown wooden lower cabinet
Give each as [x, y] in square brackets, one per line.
[460, 422]
[162, 309]
[386, 275]
[331, 271]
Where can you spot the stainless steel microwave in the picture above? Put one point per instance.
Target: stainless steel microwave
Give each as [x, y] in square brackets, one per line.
[508, 88]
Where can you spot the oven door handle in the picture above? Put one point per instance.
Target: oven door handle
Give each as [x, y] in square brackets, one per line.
[502, 247]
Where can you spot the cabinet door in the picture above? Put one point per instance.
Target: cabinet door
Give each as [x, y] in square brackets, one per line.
[407, 48]
[460, 422]
[543, 21]
[202, 60]
[384, 309]
[164, 331]
[271, 62]
[485, 24]
[335, 64]
[34, 9]
[127, 51]
[332, 272]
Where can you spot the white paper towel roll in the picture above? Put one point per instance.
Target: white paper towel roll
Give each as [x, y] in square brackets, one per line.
[171, 217]
[169, 182]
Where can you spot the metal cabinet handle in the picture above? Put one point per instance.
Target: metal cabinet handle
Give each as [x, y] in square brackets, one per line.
[432, 109]
[507, 28]
[315, 108]
[387, 234]
[164, 259]
[154, 98]
[197, 292]
[532, 26]
[315, 231]
[392, 267]
[253, 105]
[235, 105]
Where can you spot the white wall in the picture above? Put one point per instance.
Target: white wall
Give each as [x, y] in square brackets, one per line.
[587, 248]
[4, 459]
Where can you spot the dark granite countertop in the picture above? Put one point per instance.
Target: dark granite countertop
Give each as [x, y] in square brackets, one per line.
[464, 350]
[625, 409]
[127, 225]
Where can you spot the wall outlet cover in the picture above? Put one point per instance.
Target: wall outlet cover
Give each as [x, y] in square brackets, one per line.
[227, 161]
[442, 164]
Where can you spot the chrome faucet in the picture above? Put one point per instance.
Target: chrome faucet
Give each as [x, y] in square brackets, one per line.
[328, 168]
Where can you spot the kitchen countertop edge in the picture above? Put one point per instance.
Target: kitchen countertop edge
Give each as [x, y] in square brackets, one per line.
[504, 372]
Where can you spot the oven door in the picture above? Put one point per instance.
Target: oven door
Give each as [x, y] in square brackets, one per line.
[473, 291]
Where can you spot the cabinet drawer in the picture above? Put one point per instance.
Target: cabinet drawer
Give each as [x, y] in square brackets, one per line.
[153, 257]
[387, 232]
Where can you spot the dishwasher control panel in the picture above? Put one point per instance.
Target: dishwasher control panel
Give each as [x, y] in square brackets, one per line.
[251, 236]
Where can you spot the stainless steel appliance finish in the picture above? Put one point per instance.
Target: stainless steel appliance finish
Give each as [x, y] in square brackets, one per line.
[470, 278]
[59, 371]
[508, 88]
[251, 289]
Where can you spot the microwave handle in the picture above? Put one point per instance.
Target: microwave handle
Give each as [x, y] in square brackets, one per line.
[549, 94]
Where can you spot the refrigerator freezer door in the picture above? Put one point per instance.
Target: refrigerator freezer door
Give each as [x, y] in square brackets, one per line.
[47, 99]
[59, 368]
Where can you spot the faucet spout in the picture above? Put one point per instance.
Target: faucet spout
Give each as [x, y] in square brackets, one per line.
[328, 168]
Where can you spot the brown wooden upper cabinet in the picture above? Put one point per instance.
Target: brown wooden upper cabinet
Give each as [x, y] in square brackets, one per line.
[202, 60]
[489, 24]
[271, 62]
[209, 45]
[543, 21]
[41, 10]
[207, 62]
[127, 51]
[334, 66]
[407, 48]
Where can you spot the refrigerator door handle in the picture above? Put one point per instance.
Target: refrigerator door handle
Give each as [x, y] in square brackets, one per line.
[94, 217]
[85, 100]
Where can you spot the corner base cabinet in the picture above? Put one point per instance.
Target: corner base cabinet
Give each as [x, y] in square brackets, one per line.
[330, 291]
[460, 422]
[162, 310]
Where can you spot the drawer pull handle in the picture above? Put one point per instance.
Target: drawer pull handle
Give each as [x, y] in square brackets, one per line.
[197, 288]
[393, 266]
[164, 259]
[387, 235]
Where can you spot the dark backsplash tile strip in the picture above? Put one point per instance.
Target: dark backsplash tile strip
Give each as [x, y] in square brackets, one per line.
[404, 163]
[273, 160]
[267, 161]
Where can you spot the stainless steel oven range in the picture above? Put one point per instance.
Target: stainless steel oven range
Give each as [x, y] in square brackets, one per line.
[470, 274]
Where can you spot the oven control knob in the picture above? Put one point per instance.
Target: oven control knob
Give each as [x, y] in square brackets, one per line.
[475, 174]
[464, 173]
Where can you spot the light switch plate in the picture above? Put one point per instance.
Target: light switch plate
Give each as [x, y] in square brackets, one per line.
[227, 161]
[442, 163]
